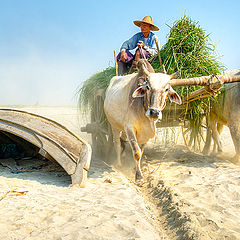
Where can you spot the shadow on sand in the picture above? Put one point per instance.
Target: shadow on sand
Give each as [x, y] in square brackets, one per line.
[45, 171]
[180, 155]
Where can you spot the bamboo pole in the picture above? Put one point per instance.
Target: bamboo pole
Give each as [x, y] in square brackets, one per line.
[214, 81]
[159, 56]
[116, 66]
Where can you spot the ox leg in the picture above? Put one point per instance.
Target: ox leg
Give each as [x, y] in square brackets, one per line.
[220, 128]
[214, 151]
[215, 146]
[207, 145]
[137, 154]
[215, 136]
[117, 145]
[235, 133]
[142, 147]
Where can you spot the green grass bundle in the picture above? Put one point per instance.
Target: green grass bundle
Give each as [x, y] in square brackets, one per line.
[190, 52]
[99, 80]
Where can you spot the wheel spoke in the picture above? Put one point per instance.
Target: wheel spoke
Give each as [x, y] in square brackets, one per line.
[100, 137]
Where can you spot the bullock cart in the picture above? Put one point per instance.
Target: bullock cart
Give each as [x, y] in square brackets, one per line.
[173, 116]
[189, 51]
[99, 127]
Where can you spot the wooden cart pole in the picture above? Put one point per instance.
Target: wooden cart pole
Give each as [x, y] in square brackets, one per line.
[159, 56]
[116, 66]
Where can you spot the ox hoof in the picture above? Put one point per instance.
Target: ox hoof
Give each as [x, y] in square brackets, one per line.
[139, 182]
[118, 165]
[215, 154]
[139, 178]
[205, 152]
[218, 154]
[236, 160]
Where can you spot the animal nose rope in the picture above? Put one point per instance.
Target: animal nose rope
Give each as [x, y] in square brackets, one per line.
[142, 52]
[159, 56]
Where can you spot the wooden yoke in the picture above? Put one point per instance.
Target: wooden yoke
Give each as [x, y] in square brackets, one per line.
[211, 89]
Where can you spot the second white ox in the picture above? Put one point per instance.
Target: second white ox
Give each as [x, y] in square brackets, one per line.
[132, 105]
[225, 112]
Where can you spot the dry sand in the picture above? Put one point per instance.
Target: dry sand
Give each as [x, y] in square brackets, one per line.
[185, 196]
[198, 196]
[52, 210]
[39, 204]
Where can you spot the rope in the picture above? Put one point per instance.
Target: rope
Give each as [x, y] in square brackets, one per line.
[142, 52]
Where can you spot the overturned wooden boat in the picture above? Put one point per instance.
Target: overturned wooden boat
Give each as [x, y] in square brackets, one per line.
[51, 139]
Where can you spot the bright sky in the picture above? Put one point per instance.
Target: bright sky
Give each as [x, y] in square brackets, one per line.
[49, 47]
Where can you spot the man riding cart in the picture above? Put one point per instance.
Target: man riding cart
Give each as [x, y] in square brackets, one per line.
[144, 41]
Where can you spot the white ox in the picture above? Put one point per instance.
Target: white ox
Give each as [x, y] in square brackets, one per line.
[133, 103]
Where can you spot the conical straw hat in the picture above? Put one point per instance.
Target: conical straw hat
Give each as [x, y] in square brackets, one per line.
[147, 19]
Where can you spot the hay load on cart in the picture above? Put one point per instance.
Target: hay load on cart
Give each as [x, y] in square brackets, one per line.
[188, 51]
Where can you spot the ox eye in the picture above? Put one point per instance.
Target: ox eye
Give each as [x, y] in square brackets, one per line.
[167, 89]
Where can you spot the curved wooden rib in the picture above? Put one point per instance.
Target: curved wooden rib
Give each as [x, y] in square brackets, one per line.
[53, 139]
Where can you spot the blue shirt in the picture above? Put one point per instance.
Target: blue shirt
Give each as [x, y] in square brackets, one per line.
[149, 42]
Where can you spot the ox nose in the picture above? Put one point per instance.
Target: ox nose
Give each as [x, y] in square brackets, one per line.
[153, 113]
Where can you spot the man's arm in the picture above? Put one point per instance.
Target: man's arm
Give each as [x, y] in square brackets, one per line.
[131, 43]
[128, 45]
[151, 49]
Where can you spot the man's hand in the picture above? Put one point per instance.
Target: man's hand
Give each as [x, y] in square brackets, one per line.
[123, 57]
[140, 44]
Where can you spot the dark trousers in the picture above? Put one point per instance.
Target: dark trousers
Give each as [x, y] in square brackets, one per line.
[123, 67]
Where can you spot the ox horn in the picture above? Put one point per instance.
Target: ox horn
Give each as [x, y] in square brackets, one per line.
[206, 80]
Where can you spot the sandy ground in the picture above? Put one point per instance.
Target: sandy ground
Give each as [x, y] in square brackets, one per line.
[185, 195]
[38, 203]
[198, 196]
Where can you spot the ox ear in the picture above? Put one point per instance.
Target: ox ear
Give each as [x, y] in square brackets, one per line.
[174, 97]
[140, 91]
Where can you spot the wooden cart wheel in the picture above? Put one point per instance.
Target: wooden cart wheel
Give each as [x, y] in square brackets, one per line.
[101, 136]
[193, 139]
